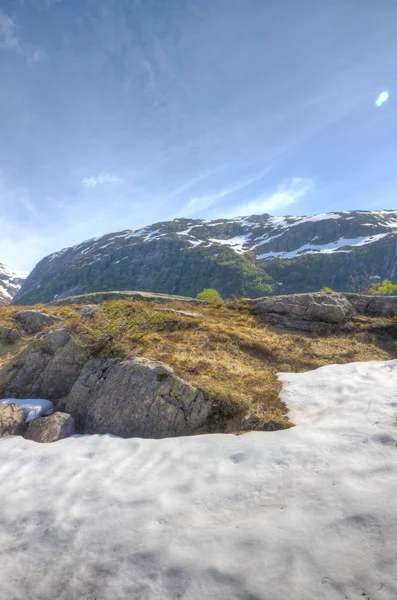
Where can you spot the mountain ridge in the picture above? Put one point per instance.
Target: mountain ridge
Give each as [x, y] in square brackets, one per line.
[244, 256]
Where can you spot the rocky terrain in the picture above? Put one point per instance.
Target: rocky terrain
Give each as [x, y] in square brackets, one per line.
[143, 367]
[249, 256]
[10, 283]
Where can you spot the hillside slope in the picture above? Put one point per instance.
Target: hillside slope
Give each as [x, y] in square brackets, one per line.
[246, 256]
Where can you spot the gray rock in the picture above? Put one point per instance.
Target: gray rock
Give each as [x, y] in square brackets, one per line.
[136, 397]
[87, 311]
[374, 306]
[183, 313]
[10, 335]
[327, 308]
[287, 323]
[12, 420]
[33, 321]
[51, 429]
[48, 367]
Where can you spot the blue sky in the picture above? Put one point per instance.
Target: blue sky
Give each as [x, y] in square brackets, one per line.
[119, 113]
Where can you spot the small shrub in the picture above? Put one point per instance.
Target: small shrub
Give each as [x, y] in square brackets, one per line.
[209, 295]
[386, 288]
[326, 290]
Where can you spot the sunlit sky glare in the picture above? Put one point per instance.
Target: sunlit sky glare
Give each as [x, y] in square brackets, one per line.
[119, 113]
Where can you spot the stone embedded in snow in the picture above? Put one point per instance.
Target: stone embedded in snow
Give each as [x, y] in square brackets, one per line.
[51, 429]
[12, 420]
[32, 408]
[137, 397]
[33, 321]
[307, 513]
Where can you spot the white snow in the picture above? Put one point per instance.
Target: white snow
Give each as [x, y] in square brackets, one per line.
[5, 293]
[32, 408]
[238, 243]
[309, 513]
[12, 273]
[340, 245]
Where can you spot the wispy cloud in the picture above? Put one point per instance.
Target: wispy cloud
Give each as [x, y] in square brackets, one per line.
[287, 193]
[36, 57]
[93, 182]
[199, 204]
[8, 39]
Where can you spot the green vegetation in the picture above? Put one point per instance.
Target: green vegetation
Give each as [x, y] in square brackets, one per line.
[326, 290]
[386, 288]
[222, 348]
[209, 295]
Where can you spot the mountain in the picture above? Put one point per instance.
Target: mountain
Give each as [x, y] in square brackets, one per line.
[10, 283]
[245, 256]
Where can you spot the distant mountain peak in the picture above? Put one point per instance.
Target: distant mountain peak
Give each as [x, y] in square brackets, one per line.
[10, 283]
[248, 255]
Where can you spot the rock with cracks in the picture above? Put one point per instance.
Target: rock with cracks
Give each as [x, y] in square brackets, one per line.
[326, 308]
[10, 335]
[51, 429]
[33, 321]
[48, 367]
[138, 397]
[12, 420]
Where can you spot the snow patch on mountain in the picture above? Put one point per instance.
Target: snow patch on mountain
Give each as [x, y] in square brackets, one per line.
[10, 283]
[340, 245]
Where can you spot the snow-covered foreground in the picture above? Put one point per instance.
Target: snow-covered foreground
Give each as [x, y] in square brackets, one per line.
[304, 514]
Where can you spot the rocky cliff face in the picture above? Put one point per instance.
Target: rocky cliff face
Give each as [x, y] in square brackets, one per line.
[246, 256]
[10, 283]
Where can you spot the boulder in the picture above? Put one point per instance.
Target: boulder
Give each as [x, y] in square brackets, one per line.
[373, 306]
[12, 420]
[327, 308]
[48, 367]
[51, 429]
[33, 321]
[87, 311]
[10, 335]
[135, 398]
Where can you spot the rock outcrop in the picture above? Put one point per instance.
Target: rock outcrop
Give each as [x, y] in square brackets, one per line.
[48, 367]
[136, 397]
[12, 420]
[51, 429]
[10, 335]
[373, 306]
[33, 321]
[326, 308]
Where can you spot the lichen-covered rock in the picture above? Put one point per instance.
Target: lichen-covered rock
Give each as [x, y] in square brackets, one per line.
[374, 306]
[51, 429]
[48, 367]
[12, 420]
[327, 308]
[33, 321]
[10, 335]
[135, 398]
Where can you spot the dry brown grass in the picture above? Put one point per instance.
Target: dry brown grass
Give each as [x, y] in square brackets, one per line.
[227, 351]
